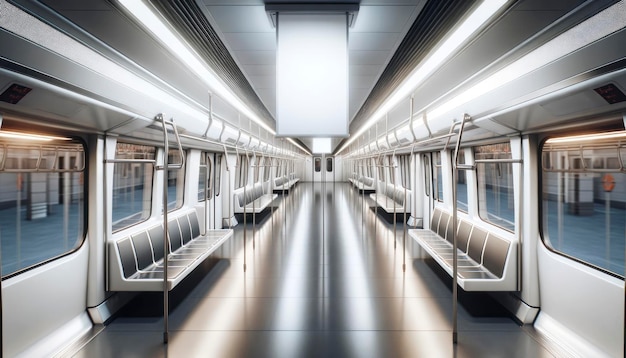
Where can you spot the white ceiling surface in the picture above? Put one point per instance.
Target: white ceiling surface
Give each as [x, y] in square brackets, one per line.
[246, 30]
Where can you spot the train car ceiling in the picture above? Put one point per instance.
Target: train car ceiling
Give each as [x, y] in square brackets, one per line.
[138, 73]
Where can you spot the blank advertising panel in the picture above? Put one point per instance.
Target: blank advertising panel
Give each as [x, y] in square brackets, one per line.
[312, 75]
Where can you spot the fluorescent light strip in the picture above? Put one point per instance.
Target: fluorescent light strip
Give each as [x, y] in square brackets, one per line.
[587, 137]
[29, 136]
[593, 29]
[476, 20]
[603, 25]
[298, 145]
[156, 25]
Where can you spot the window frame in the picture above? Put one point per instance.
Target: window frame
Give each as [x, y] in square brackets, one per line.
[208, 176]
[463, 207]
[152, 186]
[180, 174]
[218, 175]
[437, 176]
[478, 182]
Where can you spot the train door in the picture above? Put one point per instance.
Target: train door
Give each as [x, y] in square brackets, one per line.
[317, 169]
[329, 169]
[323, 169]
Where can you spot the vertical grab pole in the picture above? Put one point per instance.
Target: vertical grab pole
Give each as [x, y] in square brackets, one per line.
[379, 164]
[285, 202]
[455, 264]
[255, 172]
[362, 201]
[230, 196]
[238, 164]
[207, 186]
[165, 233]
[392, 168]
[404, 207]
[166, 240]
[206, 161]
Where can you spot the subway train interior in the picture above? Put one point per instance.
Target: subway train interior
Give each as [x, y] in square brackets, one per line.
[285, 178]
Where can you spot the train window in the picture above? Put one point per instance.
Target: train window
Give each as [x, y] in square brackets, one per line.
[496, 202]
[267, 165]
[175, 181]
[461, 184]
[391, 169]
[42, 193]
[204, 179]
[404, 165]
[218, 174]
[132, 184]
[256, 168]
[241, 172]
[437, 177]
[318, 164]
[584, 199]
[329, 164]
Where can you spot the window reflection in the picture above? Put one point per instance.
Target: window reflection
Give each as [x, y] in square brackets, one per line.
[461, 184]
[496, 202]
[132, 184]
[41, 201]
[584, 200]
[175, 181]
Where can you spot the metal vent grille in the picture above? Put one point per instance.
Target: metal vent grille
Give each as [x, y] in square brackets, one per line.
[189, 20]
[433, 22]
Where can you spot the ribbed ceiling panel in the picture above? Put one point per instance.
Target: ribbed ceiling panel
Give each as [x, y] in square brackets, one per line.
[434, 21]
[190, 21]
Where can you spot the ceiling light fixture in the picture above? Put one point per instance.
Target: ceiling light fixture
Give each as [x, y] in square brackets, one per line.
[452, 43]
[156, 25]
[29, 136]
[588, 137]
[298, 145]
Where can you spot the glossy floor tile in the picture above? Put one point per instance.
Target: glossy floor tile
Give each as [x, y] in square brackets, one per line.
[323, 277]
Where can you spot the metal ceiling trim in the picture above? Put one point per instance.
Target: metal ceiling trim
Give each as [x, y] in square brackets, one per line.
[189, 20]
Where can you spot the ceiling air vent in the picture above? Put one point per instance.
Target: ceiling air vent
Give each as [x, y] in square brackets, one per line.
[14, 93]
[611, 93]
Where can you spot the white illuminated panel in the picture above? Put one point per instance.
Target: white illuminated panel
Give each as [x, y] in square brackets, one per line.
[321, 145]
[312, 75]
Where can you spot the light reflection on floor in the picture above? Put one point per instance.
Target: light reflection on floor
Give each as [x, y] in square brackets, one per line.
[323, 279]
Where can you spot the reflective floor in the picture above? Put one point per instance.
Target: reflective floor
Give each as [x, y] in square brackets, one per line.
[324, 278]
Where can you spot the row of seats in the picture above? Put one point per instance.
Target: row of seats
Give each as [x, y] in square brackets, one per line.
[252, 199]
[363, 183]
[285, 183]
[486, 261]
[390, 198]
[136, 260]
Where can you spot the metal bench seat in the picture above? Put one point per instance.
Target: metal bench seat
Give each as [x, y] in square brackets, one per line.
[136, 261]
[390, 198]
[252, 199]
[485, 261]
